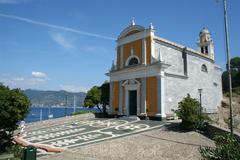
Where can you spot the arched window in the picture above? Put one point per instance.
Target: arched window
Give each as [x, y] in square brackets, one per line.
[206, 49]
[133, 61]
[204, 68]
[202, 50]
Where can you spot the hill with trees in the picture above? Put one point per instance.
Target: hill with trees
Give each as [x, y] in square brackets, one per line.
[235, 72]
[222, 118]
[54, 98]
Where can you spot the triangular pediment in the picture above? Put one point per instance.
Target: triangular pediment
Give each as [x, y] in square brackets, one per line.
[130, 30]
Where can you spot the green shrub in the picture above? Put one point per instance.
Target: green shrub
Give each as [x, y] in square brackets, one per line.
[188, 111]
[227, 148]
[16, 150]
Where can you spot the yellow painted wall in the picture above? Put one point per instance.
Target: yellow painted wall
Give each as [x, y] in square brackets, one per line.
[115, 101]
[118, 58]
[151, 95]
[137, 47]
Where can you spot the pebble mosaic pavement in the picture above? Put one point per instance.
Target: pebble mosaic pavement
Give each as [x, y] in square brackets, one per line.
[76, 133]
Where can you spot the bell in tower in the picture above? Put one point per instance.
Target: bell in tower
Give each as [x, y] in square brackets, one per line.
[205, 43]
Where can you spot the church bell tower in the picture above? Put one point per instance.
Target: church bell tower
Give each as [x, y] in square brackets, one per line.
[205, 43]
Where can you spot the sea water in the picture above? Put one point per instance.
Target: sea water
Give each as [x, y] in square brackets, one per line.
[42, 113]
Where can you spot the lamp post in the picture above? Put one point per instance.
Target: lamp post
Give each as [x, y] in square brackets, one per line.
[66, 107]
[200, 106]
[228, 65]
[74, 104]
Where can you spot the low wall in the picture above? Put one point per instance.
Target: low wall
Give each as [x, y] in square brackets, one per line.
[6, 156]
[211, 130]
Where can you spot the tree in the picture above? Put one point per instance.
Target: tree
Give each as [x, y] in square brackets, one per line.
[235, 63]
[105, 95]
[235, 80]
[188, 111]
[14, 106]
[98, 95]
[93, 98]
[235, 73]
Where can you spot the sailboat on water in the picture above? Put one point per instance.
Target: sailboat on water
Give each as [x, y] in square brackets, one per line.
[49, 113]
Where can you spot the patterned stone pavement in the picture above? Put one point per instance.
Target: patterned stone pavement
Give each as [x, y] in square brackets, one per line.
[74, 133]
[163, 143]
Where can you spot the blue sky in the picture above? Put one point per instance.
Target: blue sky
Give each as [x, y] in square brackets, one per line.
[69, 44]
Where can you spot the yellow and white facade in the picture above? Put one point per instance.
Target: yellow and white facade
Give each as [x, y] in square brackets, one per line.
[136, 72]
[139, 77]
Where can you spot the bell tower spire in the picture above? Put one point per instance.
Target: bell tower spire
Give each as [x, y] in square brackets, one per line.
[205, 43]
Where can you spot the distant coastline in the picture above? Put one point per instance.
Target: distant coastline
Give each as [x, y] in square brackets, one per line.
[55, 98]
[42, 106]
[43, 113]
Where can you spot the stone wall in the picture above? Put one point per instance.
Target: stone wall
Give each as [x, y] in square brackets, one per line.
[211, 130]
[178, 85]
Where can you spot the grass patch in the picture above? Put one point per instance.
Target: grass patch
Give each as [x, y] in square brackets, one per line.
[82, 112]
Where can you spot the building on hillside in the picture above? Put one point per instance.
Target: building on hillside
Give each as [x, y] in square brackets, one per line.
[152, 74]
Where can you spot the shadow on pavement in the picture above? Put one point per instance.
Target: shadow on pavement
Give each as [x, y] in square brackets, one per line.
[175, 127]
[174, 141]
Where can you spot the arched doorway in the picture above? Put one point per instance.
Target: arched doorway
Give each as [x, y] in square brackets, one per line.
[132, 102]
[132, 97]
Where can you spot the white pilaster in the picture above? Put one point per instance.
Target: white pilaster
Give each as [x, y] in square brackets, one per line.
[160, 57]
[143, 96]
[160, 96]
[144, 52]
[120, 109]
[152, 51]
[211, 49]
[138, 100]
[152, 30]
[121, 57]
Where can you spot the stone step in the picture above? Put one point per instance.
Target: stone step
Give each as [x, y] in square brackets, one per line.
[130, 118]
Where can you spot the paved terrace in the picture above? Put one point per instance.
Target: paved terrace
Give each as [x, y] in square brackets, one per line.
[85, 137]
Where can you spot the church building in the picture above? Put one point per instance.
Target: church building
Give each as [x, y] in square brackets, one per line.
[152, 74]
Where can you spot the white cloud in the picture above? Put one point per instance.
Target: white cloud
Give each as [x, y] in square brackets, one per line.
[13, 1]
[35, 80]
[97, 50]
[62, 41]
[69, 43]
[18, 79]
[55, 26]
[74, 88]
[24, 83]
[39, 75]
